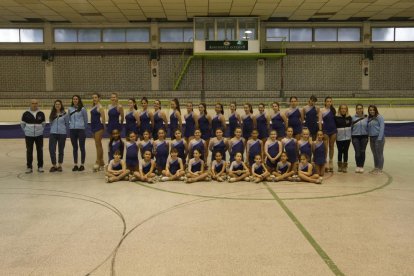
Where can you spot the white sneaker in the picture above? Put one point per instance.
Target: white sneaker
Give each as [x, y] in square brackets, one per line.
[247, 179]
[232, 179]
[361, 170]
[182, 178]
[40, 169]
[165, 178]
[29, 170]
[374, 171]
[357, 169]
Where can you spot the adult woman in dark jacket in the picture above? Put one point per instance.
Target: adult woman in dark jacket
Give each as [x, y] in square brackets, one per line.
[343, 137]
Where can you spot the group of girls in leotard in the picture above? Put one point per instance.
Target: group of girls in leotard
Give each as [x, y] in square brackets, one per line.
[292, 145]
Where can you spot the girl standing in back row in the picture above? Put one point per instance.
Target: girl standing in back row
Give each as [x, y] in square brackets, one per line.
[294, 117]
[359, 137]
[191, 123]
[311, 116]
[175, 117]
[160, 119]
[234, 119]
[131, 118]
[146, 118]
[279, 121]
[328, 126]
[78, 122]
[248, 121]
[218, 120]
[98, 128]
[343, 138]
[115, 114]
[376, 128]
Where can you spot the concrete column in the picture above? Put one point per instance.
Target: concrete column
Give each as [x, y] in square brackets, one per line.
[155, 76]
[49, 75]
[365, 63]
[260, 74]
[365, 74]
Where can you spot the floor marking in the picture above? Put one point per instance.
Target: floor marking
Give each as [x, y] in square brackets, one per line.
[389, 181]
[203, 196]
[332, 266]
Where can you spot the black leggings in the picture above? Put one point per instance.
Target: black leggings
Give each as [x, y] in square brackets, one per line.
[78, 135]
[343, 147]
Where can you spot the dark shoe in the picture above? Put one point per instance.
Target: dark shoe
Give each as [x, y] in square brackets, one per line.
[59, 169]
[75, 168]
[81, 168]
[52, 169]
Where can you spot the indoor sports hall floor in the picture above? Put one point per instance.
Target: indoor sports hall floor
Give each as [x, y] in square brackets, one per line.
[75, 224]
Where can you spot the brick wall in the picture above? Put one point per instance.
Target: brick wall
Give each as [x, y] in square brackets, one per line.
[392, 71]
[303, 72]
[96, 73]
[22, 73]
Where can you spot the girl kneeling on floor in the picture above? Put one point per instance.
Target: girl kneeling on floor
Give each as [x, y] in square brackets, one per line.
[146, 169]
[305, 171]
[238, 170]
[174, 169]
[218, 167]
[196, 168]
[259, 171]
[116, 170]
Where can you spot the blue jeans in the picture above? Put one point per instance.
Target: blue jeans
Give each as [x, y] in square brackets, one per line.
[78, 135]
[360, 143]
[377, 148]
[60, 140]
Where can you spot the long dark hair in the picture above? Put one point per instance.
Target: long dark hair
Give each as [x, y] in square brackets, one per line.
[221, 106]
[375, 110]
[80, 103]
[159, 102]
[333, 110]
[205, 107]
[177, 104]
[53, 113]
[98, 95]
[250, 107]
[135, 103]
[111, 139]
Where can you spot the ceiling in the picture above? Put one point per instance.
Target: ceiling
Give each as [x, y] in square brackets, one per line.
[123, 11]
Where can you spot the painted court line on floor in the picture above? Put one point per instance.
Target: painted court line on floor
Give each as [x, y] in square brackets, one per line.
[332, 266]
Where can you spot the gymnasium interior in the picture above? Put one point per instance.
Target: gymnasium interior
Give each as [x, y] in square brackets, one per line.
[207, 51]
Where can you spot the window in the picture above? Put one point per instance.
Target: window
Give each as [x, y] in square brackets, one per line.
[404, 34]
[382, 34]
[326, 34]
[300, 34]
[113, 35]
[119, 35]
[66, 35]
[349, 34]
[21, 35]
[277, 34]
[176, 35]
[137, 35]
[89, 35]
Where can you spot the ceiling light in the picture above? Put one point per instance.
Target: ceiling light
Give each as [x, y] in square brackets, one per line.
[248, 32]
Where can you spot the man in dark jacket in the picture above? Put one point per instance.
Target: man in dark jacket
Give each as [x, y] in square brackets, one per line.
[33, 124]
